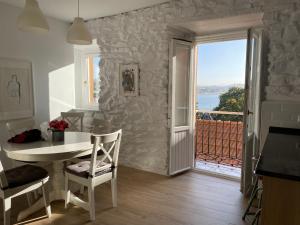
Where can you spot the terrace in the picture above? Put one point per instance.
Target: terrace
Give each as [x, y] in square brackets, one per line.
[219, 142]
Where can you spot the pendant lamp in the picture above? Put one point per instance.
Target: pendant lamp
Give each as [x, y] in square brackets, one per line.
[32, 18]
[78, 34]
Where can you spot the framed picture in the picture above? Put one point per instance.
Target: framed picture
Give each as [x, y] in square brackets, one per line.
[129, 79]
[16, 89]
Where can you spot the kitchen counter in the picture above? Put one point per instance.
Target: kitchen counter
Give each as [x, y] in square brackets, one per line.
[279, 167]
[281, 154]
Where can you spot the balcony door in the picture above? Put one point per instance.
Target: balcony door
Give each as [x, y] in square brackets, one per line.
[252, 107]
[181, 155]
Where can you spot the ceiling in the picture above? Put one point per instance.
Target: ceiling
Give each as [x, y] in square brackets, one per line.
[66, 10]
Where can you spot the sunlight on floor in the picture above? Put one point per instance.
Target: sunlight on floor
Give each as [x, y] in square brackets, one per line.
[229, 171]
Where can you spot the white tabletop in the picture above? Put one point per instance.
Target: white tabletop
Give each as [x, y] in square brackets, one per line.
[76, 144]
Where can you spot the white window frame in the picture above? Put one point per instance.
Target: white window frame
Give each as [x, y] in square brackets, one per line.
[81, 76]
[226, 36]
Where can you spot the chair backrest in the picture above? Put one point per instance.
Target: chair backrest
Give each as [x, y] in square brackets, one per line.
[109, 144]
[74, 119]
[15, 127]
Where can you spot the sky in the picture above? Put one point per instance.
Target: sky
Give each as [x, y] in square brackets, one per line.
[221, 63]
[96, 67]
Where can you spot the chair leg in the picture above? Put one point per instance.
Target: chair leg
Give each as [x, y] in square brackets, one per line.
[252, 198]
[92, 202]
[82, 189]
[46, 201]
[6, 210]
[114, 191]
[67, 191]
[35, 194]
[258, 213]
[256, 218]
[28, 197]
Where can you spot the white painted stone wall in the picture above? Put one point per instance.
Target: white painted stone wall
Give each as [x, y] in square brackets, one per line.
[282, 22]
[142, 36]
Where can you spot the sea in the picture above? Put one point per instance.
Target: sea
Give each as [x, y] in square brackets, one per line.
[208, 101]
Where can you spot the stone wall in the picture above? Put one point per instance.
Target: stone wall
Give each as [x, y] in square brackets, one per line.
[282, 25]
[142, 36]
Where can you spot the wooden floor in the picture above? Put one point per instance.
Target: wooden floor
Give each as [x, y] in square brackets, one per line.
[146, 199]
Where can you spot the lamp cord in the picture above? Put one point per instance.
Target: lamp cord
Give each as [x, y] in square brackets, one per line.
[78, 8]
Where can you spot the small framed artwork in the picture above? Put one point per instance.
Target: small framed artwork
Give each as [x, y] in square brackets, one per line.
[16, 89]
[129, 79]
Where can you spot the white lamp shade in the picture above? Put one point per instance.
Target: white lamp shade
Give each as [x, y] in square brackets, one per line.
[78, 34]
[32, 18]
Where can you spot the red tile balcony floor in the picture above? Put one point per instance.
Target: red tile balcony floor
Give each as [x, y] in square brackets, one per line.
[219, 144]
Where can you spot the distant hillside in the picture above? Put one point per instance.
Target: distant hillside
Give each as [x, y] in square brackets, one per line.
[216, 89]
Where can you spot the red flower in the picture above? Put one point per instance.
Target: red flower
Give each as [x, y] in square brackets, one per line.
[60, 125]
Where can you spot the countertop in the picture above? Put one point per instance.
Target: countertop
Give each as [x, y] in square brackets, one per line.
[280, 156]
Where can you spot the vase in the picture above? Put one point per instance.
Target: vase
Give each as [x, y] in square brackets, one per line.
[58, 135]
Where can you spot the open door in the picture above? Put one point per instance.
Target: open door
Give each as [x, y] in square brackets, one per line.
[252, 107]
[181, 89]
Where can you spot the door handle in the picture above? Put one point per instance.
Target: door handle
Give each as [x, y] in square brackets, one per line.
[249, 112]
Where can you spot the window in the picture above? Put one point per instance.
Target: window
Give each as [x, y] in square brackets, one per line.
[87, 66]
[182, 78]
[92, 82]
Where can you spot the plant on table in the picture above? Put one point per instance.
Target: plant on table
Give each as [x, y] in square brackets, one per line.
[58, 125]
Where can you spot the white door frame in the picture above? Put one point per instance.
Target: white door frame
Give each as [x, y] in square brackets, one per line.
[236, 35]
[226, 36]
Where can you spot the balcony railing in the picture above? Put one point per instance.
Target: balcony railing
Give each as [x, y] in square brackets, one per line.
[219, 137]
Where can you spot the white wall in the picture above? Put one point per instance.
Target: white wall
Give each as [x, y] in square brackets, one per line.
[61, 90]
[52, 62]
[279, 114]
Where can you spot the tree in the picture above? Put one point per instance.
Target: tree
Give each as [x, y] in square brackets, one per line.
[231, 101]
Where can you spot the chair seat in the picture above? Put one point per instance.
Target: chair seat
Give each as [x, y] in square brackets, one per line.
[82, 169]
[24, 175]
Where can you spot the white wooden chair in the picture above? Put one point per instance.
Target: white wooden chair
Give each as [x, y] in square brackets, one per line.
[95, 172]
[17, 126]
[19, 181]
[98, 128]
[73, 118]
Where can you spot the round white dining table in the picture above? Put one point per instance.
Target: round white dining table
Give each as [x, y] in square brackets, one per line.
[75, 144]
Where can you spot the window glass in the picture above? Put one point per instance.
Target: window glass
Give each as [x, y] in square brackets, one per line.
[182, 86]
[93, 83]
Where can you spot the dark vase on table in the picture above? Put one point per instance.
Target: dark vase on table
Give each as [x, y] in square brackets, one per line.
[58, 135]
